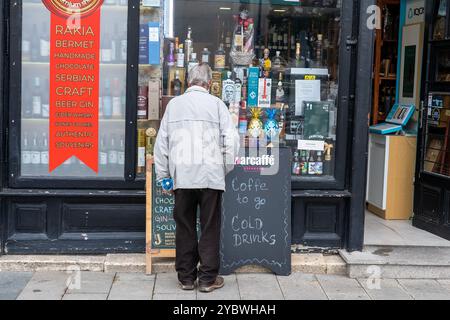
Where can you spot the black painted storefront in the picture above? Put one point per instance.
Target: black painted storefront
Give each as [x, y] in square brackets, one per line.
[94, 217]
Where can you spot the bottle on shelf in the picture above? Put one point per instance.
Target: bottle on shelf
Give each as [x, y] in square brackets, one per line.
[141, 152]
[193, 62]
[115, 44]
[304, 163]
[278, 63]
[171, 56]
[116, 100]
[280, 96]
[107, 100]
[176, 85]
[112, 153]
[106, 49]
[26, 151]
[188, 45]
[299, 59]
[26, 46]
[180, 57]
[44, 151]
[44, 42]
[27, 100]
[228, 90]
[35, 151]
[45, 112]
[142, 102]
[36, 98]
[319, 50]
[205, 55]
[35, 47]
[219, 58]
[123, 51]
[311, 164]
[237, 89]
[103, 153]
[239, 38]
[296, 164]
[319, 163]
[121, 152]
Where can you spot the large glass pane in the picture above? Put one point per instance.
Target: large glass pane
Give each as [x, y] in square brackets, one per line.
[437, 135]
[271, 60]
[35, 135]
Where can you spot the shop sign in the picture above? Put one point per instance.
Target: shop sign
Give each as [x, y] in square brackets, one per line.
[74, 78]
[415, 12]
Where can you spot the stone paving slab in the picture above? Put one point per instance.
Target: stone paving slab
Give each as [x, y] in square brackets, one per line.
[175, 296]
[341, 288]
[132, 287]
[384, 289]
[259, 287]
[166, 283]
[12, 283]
[92, 283]
[34, 263]
[230, 291]
[50, 285]
[301, 287]
[425, 289]
[85, 296]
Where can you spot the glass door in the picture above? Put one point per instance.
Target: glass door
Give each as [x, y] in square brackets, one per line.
[72, 104]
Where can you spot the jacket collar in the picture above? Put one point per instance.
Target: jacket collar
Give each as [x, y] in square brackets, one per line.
[196, 88]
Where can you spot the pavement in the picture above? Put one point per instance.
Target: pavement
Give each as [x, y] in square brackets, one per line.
[87, 285]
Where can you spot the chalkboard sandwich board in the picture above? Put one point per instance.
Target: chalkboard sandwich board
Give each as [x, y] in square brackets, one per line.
[256, 213]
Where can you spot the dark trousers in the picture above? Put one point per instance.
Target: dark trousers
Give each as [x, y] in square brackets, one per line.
[190, 251]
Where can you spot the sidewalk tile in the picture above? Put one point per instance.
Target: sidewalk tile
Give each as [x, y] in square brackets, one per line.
[259, 287]
[85, 296]
[230, 291]
[132, 287]
[425, 289]
[92, 282]
[12, 283]
[301, 286]
[166, 283]
[175, 296]
[46, 286]
[386, 289]
[342, 288]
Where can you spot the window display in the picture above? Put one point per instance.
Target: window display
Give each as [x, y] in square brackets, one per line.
[275, 67]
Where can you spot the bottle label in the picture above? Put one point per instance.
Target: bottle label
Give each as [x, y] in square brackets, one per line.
[141, 157]
[142, 103]
[45, 110]
[180, 60]
[35, 157]
[219, 61]
[36, 105]
[44, 157]
[26, 157]
[106, 55]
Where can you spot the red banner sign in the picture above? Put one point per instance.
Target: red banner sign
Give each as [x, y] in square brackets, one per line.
[74, 81]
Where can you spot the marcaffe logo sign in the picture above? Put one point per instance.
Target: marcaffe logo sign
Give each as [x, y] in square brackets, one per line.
[66, 8]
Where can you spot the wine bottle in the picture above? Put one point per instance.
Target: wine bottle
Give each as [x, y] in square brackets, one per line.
[205, 55]
[26, 152]
[44, 43]
[35, 152]
[116, 100]
[36, 97]
[121, 153]
[193, 62]
[112, 153]
[35, 46]
[176, 84]
[171, 56]
[46, 100]
[188, 45]
[219, 58]
[142, 102]
[180, 57]
[107, 100]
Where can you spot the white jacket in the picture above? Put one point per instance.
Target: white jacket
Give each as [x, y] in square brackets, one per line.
[197, 142]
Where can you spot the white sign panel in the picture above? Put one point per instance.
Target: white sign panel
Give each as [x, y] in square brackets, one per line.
[415, 11]
[305, 90]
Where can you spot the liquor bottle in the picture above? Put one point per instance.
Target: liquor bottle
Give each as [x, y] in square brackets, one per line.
[282, 123]
[274, 40]
[44, 151]
[115, 44]
[319, 53]
[35, 151]
[106, 49]
[239, 38]
[176, 84]
[35, 46]
[27, 100]
[121, 153]
[142, 103]
[107, 100]
[228, 41]
[237, 90]
[285, 41]
[304, 163]
[228, 89]
[26, 152]
[280, 41]
[103, 153]
[141, 152]
[243, 122]
[112, 153]
[36, 97]
[180, 57]
[219, 58]
[171, 56]
[45, 100]
[26, 46]
[44, 43]
[116, 100]
[279, 96]
[311, 164]
[193, 62]
[124, 44]
[244, 85]
[277, 62]
[319, 164]
[205, 55]
[296, 164]
[188, 45]
[299, 59]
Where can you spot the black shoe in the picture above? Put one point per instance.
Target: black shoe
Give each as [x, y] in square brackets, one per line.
[219, 283]
[187, 285]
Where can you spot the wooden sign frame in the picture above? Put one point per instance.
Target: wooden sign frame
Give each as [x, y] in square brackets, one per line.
[149, 252]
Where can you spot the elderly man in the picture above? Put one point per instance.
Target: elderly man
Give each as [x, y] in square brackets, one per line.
[196, 146]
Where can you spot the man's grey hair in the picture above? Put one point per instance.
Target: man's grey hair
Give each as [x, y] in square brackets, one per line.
[200, 75]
